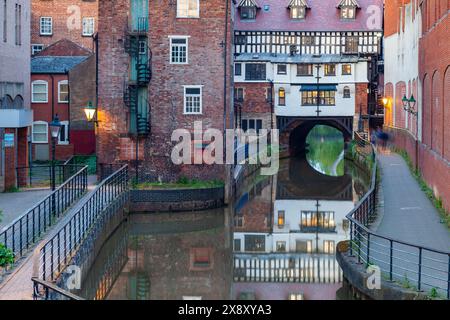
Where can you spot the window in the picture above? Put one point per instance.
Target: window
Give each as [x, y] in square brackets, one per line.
[330, 69]
[348, 12]
[255, 243]
[281, 218]
[5, 21]
[200, 258]
[254, 124]
[39, 91]
[346, 92]
[303, 246]
[308, 40]
[192, 99]
[351, 44]
[346, 69]
[312, 221]
[248, 12]
[326, 98]
[39, 132]
[18, 24]
[281, 69]
[239, 94]
[240, 39]
[46, 26]
[281, 246]
[36, 48]
[142, 47]
[88, 26]
[237, 245]
[237, 69]
[179, 50]
[188, 9]
[328, 246]
[281, 97]
[297, 12]
[304, 70]
[238, 221]
[64, 133]
[63, 91]
[255, 71]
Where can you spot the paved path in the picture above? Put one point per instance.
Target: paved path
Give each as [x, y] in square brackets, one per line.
[408, 214]
[14, 204]
[18, 285]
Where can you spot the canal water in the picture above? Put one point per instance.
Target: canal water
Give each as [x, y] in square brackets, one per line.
[277, 240]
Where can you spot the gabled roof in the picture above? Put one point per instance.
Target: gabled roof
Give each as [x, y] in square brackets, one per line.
[248, 3]
[54, 65]
[348, 3]
[298, 3]
[64, 47]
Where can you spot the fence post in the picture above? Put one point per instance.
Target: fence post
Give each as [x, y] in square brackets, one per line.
[391, 258]
[368, 249]
[420, 269]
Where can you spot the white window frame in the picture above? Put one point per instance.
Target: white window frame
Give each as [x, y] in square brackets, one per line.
[180, 45]
[185, 96]
[33, 45]
[46, 91]
[187, 16]
[59, 91]
[40, 26]
[84, 24]
[46, 133]
[66, 131]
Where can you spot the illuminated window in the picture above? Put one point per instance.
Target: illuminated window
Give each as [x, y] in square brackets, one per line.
[328, 246]
[281, 97]
[281, 218]
[346, 69]
[330, 69]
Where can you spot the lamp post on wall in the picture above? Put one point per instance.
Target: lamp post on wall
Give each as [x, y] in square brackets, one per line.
[409, 106]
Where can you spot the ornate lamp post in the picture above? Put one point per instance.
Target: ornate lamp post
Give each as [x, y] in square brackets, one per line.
[409, 106]
[55, 129]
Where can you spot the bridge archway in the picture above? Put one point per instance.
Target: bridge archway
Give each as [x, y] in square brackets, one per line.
[293, 132]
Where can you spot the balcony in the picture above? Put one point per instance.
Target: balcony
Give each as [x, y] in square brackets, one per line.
[137, 26]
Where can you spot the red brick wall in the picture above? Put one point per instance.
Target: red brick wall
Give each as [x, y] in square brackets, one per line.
[43, 112]
[16, 156]
[254, 97]
[58, 10]
[166, 88]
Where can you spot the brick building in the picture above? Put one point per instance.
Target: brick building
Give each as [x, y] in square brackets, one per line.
[419, 60]
[15, 114]
[161, 68]
[55, 71]
[53, 20]
[282, 47]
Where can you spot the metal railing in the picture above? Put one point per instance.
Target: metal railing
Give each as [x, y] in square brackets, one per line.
[50, 291]
[27, 229]
[41, 176]
[61, 247]
[412, 266]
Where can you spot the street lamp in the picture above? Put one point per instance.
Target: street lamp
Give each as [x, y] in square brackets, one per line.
[89, 111]
[385, 101]
[55, 129]
[409, 106]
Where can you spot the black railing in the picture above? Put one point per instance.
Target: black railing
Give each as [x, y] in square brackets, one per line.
[27, 229]
[61, 247]
[43, 290]
[412, 266]
[41, 176]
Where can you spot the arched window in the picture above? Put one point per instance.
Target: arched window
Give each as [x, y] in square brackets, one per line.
[6, 102]
[18, 102]
[281, 97]
[39, 91]
[346, 92]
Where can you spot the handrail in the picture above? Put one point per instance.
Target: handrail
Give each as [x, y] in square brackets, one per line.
[26, 229]
[50, 286]
[63, 244]
[362, 239]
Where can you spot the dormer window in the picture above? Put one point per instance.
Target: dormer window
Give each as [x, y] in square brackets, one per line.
[348, 9]
[247, 9]
[297, 9]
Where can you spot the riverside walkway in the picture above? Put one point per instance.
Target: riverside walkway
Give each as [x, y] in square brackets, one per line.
[407, 213]
[18, 284]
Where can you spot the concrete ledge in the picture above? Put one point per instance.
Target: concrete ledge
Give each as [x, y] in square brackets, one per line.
[355, 277]
[176, 199]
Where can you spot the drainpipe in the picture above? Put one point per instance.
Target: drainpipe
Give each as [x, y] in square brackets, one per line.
[68, 104]
[228, 171]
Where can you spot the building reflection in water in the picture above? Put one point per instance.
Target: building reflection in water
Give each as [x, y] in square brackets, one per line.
[286, 229]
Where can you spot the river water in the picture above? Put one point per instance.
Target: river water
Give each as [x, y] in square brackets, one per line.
[277, 240]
